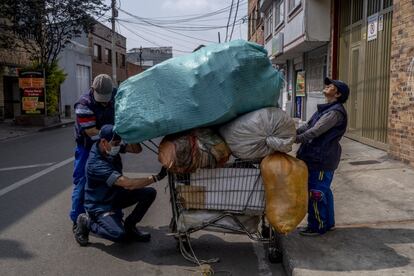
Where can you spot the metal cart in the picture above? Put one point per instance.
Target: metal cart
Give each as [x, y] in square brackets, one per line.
[228, 199]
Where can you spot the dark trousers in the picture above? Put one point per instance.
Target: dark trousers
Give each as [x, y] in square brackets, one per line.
[321, 215]
[79, 181]
[109, 225]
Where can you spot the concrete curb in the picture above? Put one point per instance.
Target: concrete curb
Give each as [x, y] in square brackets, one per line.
[58, 125]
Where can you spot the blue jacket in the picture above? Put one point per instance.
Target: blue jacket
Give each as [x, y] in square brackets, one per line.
[90, 113]
[324, 152]
[101, 173]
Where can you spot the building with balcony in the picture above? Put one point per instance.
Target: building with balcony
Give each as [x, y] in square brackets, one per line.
[297, 35]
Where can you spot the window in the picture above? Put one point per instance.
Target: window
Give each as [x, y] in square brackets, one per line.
[268, 23]
[122, 60]
[279, 13]
[293, 4]
[108, 54]
[97, 52]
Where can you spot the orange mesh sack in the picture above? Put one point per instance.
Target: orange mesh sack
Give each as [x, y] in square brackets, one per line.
[285, 181]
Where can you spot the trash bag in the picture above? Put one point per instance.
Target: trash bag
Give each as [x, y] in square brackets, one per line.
[199, 148]
[260, 133]
[285, 181]
[210, 86]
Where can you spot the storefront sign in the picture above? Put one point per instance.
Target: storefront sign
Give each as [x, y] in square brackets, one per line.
[372, 27]
[300, 84]
[32, 87]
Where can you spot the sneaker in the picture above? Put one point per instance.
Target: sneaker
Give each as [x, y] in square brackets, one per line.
[82, 230]
[309, 232]
[132, 233]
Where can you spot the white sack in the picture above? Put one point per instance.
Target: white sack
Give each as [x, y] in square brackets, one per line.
[196, 218]
[260, 133]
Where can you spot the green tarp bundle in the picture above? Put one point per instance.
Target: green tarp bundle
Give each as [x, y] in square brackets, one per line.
[211, 86]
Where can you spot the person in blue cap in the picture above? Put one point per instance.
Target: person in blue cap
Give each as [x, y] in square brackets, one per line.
[321, 151]
[108, 191]
[94, 109]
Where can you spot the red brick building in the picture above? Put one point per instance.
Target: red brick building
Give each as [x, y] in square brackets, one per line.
[255, 26]
[401, 103]
[100, 45]
[133, 69]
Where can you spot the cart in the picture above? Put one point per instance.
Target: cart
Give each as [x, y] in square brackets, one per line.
[227, 199]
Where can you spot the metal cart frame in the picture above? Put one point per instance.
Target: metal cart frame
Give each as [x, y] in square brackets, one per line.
[247, 196]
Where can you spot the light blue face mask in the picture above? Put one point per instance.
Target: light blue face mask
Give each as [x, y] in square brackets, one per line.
[114, 150]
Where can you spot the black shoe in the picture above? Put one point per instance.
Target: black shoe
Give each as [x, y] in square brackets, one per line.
[82, 230]
[309, 232]
[132, 233]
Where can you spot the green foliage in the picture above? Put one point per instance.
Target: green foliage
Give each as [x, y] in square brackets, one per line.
[42, 28]
[55, 76]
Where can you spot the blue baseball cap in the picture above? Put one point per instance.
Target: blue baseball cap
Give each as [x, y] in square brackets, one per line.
[107, 133]
[342, 88]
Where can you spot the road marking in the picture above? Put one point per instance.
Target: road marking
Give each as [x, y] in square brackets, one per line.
[29, 179]
[26, 167]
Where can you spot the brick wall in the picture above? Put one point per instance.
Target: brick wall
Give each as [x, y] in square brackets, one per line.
[101, 35]
[133, 69]
[255, 23]
[401, 105]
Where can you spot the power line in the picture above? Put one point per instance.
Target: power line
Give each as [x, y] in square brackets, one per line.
[228, 20]
[196, 38]
[235, 17]
[152, 42]
[190, 18]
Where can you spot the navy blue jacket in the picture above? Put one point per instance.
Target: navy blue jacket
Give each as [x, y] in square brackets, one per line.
[101, 174]
[324, 152]
[90, 113]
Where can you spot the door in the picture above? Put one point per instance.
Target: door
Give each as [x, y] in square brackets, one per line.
[83, 78]
[364, 63]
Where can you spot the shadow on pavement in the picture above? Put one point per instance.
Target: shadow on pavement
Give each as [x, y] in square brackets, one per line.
[353, 249]
[162, 250]
[10, 249]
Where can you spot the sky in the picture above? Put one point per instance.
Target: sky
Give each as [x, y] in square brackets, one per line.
[154, 23]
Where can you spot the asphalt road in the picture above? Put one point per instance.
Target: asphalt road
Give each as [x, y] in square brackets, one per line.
[35, 231]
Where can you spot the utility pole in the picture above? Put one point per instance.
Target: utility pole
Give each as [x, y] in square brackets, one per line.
[113, 48]
[219, 39]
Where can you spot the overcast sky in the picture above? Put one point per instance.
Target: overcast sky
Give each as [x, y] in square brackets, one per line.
[139, 33]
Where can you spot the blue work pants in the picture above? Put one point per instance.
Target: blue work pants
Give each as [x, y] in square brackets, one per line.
[79, 182]
[109, 225]
[321, 215]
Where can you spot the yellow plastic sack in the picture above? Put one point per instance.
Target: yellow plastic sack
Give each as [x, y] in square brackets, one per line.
[285, 181]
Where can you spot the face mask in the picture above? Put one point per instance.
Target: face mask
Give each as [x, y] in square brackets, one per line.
[114, 150]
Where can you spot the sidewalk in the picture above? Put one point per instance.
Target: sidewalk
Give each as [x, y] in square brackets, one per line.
[8, 130]
[374, 210]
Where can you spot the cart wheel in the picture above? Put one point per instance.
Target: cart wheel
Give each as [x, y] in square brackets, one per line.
[275, 255]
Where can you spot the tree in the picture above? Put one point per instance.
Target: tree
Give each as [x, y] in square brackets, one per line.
[42, 28]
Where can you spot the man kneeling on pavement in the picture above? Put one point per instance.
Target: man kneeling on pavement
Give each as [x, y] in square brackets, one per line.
[107, 192]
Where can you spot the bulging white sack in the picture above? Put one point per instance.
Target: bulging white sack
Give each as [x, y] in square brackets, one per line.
[260, 133]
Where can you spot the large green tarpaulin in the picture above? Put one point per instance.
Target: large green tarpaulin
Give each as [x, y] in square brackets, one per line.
[211, 86]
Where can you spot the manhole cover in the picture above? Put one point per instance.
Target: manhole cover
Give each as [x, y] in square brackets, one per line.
[365, 162]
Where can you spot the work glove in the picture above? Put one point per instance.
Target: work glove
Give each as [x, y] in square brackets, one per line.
[160, 175]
